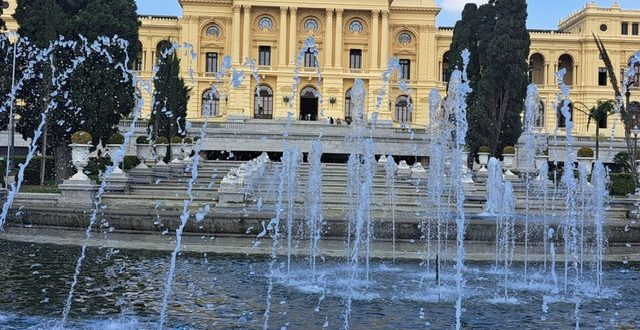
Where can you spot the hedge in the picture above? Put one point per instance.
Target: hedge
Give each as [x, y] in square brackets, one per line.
[32, 172]
[622, 184]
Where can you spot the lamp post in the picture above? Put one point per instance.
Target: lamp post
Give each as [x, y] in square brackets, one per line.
[635, 131]
[13, 38]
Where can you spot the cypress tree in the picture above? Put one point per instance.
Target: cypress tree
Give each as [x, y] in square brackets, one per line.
[171, 96]
[499, 77]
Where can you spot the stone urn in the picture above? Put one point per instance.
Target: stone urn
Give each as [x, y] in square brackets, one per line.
[176, 153]
[586, 161]
[111, 150]
[483, 157]
[80, 159]
[507, 162]
[161, 153]
[187, 148]
[143, 152]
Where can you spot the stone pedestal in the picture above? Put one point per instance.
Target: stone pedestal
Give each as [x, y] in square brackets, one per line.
[176, 166]
[231, 190]
[77, 193]
[118, 182]
[162, 171]
[141, 176]
[404, 171]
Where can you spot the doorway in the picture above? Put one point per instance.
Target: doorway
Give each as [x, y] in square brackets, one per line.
[309, 104]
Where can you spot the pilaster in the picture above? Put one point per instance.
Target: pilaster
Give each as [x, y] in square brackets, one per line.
[338, 56]
[374, 39]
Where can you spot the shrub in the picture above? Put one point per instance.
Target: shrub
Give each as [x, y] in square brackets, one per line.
[622, 184]
[32, 172]
[509, 150]
[116, 138]
[187, 140]
[585, 152]
[176, 140]
[545, 152]
[142, 140]
[130, 162]
[484, 149]
[196, 139]
[81, 137]
[162, 140]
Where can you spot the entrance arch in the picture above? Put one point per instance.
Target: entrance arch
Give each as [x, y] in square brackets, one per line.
[309, 103]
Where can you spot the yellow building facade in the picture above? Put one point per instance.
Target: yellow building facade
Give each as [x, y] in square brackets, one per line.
[356, 39]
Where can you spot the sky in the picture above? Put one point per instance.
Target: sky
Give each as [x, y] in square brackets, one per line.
[543, 14]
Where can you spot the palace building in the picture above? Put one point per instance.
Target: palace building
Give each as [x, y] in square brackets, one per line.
[356, 39]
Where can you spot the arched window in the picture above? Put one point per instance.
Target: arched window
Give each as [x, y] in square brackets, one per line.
[265, 24]
[213, 31]
[263, 103]
[539, 121]
[536, 69]
[356, 27]
[210, 103]
[403, 109]
[636, 77]
[566, 62]
[348, 106]
[562, 121]
[405, 38]
[311, 25]
[446, 73]
[138, 65]
[161, 47]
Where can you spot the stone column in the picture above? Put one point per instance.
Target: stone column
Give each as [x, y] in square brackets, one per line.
[374, 40]
[235, 48]
[545, 74]
[246, 32]
[339, 38]
[328, 39]
[384, 46]
[293, 29]
[282, 40]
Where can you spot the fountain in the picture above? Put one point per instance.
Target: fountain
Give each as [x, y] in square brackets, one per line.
[328, 221]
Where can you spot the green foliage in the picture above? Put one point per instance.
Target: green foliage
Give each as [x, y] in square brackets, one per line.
[484, 149]
[171, 96]
[176, 140]
[622, 184]
[585, 152]
[622, 162]
[130, 162]
[2, 24]
[116, 138]
[142, 140]
[509, 150]
[499, 77]
[162, 140]
[187, 140]
[96, 96]
[99, 165]
[32, 172]
[81, 137]
[600, 112]
[196, 138]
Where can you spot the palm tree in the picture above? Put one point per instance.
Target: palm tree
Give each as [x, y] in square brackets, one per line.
[598, 114]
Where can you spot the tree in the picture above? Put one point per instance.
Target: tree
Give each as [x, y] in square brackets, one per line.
[171, 96]
[2, 24]
[598, 114]
[96, 97]
[499, 77]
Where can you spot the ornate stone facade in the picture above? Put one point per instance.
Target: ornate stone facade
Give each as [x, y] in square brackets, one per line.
[356, 39]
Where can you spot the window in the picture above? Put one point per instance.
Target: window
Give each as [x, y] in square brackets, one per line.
[263, 103]
[405, 70]
[310, 59]
[562, 121]
[265, 23]
[602, 122]
[137, 65]
[211, 64]
[602, 77]
[539, 121]
[446, 73]
[355, 59]
[356, 27]
[210, 103]
[264, 55]
[404, 38]
[625, 28]
[311, 25]
[213, 31]
[634, 29]
[604, 27]
[5, 5]
[403, 109]
[348, 106]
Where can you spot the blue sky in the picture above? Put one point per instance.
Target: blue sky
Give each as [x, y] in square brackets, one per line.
[543, 14]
